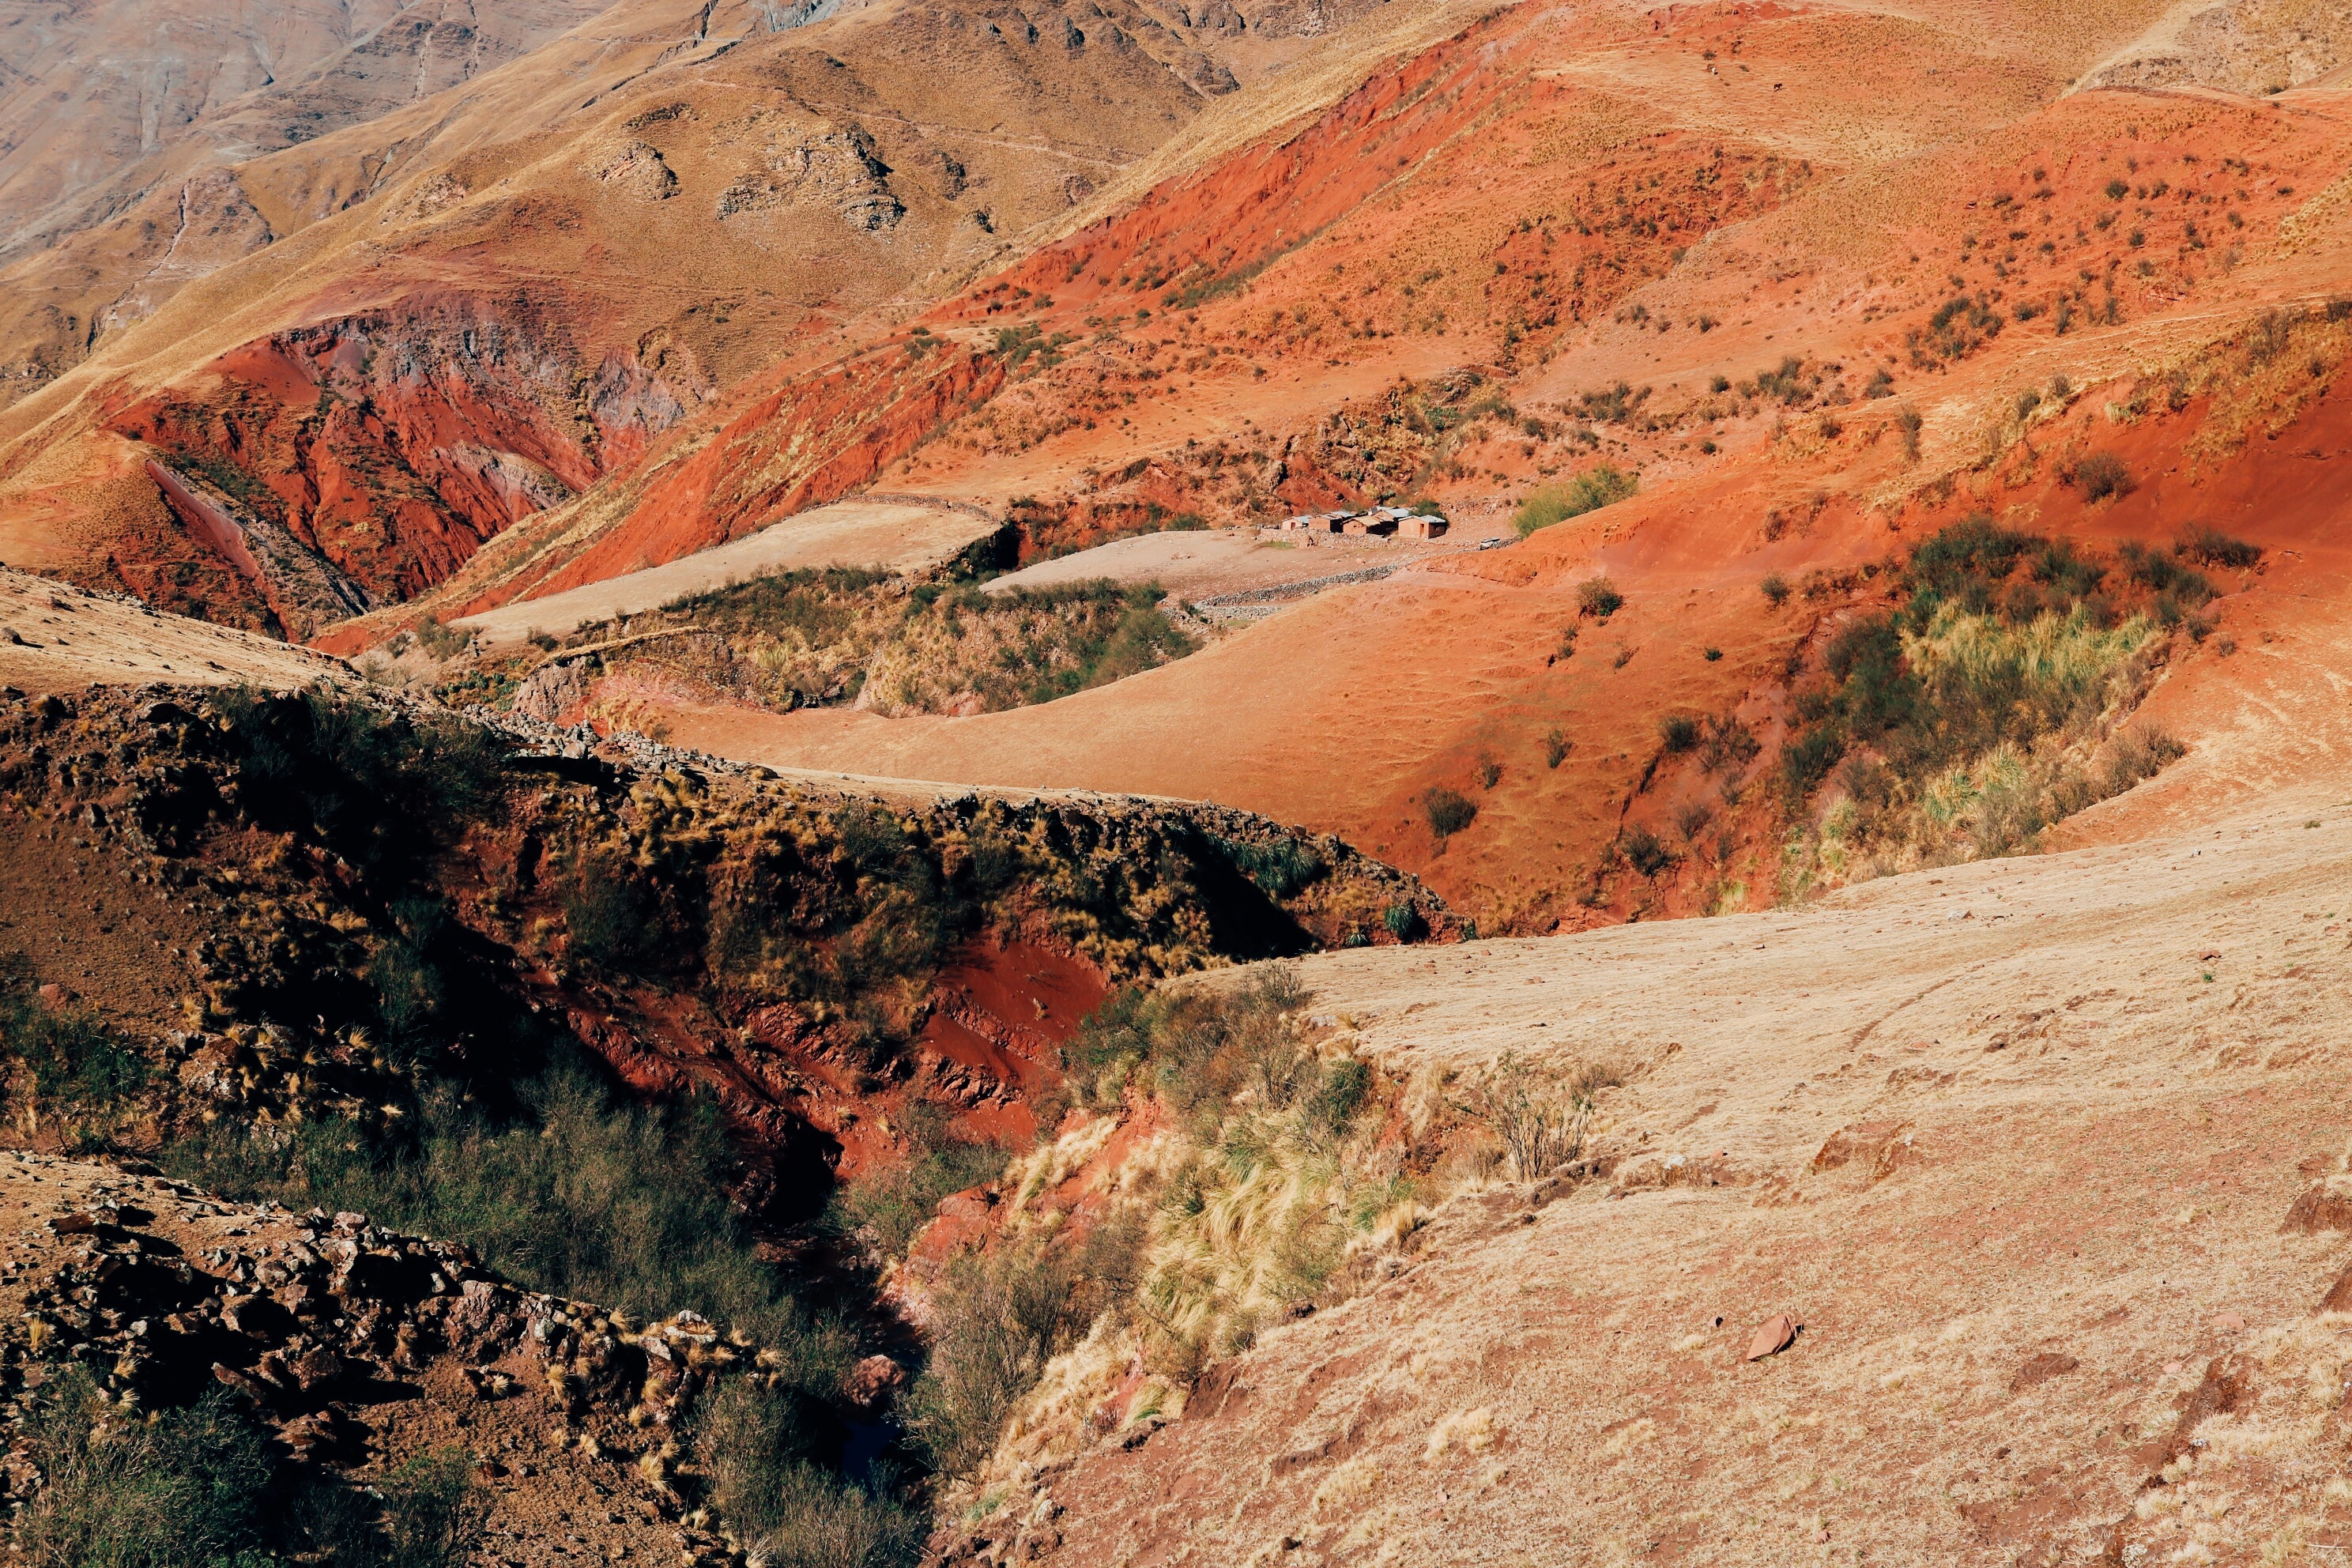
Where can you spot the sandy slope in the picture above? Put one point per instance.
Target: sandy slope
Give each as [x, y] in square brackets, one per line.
[2099, 1080]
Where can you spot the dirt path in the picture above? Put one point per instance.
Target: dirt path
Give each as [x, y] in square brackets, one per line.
[2086, 1087]
[1200, 565]
[848, 533]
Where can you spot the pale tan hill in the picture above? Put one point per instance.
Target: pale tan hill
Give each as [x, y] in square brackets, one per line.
[2022, 1147]
[56, 637]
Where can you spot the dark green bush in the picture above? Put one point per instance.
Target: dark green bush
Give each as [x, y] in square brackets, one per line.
[2212, 547]
[1403, 921]
[1807, 760]
[202, 1488]
[1598, 598]
[1678, 732]
[73, 1062]
[582, 1196]
[1449, 811]
[1281, 868]
[1645, 851]
[758, 1448]
[381, 791]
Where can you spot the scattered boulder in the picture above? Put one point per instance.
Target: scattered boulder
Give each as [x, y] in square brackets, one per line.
[2041, 1368]
[1878, 1149]
[2326, 1208]
[2339, 1294]
[1772, 1336]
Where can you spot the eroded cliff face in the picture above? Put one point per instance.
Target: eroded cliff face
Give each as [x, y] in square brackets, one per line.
[382, 878]
[392, 445]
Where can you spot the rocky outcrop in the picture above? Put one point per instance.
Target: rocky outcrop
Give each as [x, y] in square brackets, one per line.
[357, 1346]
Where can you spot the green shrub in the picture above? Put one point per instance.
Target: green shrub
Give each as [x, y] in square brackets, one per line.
[202, 1488]
[581, 1197]
[1346, 1085]
[1598, 486]
[382, 792]
[72, 1062]
[1807, 760]
[190, 1490]
[1727, 744]
[1403, 921]
[1556, 746]
[1678, 732]
[1449, 811]
[441, 641]
[998, 1317]
[759, 1449]
[1775, 589]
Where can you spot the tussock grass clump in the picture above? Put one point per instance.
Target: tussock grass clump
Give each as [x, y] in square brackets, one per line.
[1598, 486]
[1267, 1185]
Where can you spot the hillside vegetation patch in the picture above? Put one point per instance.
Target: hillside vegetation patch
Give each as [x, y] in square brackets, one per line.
[1990, 701]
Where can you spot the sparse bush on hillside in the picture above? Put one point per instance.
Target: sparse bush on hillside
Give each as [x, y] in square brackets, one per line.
[1556, 746]
[442, 641]
[1598, 486]
[1539, 1113]
[2101, 476]
[1598, 598]
[1678, 732]
[1727, 745]
[2212, 547]
[1775, 589]
[1645, 851]
[1449, 811]
[1981, 710]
